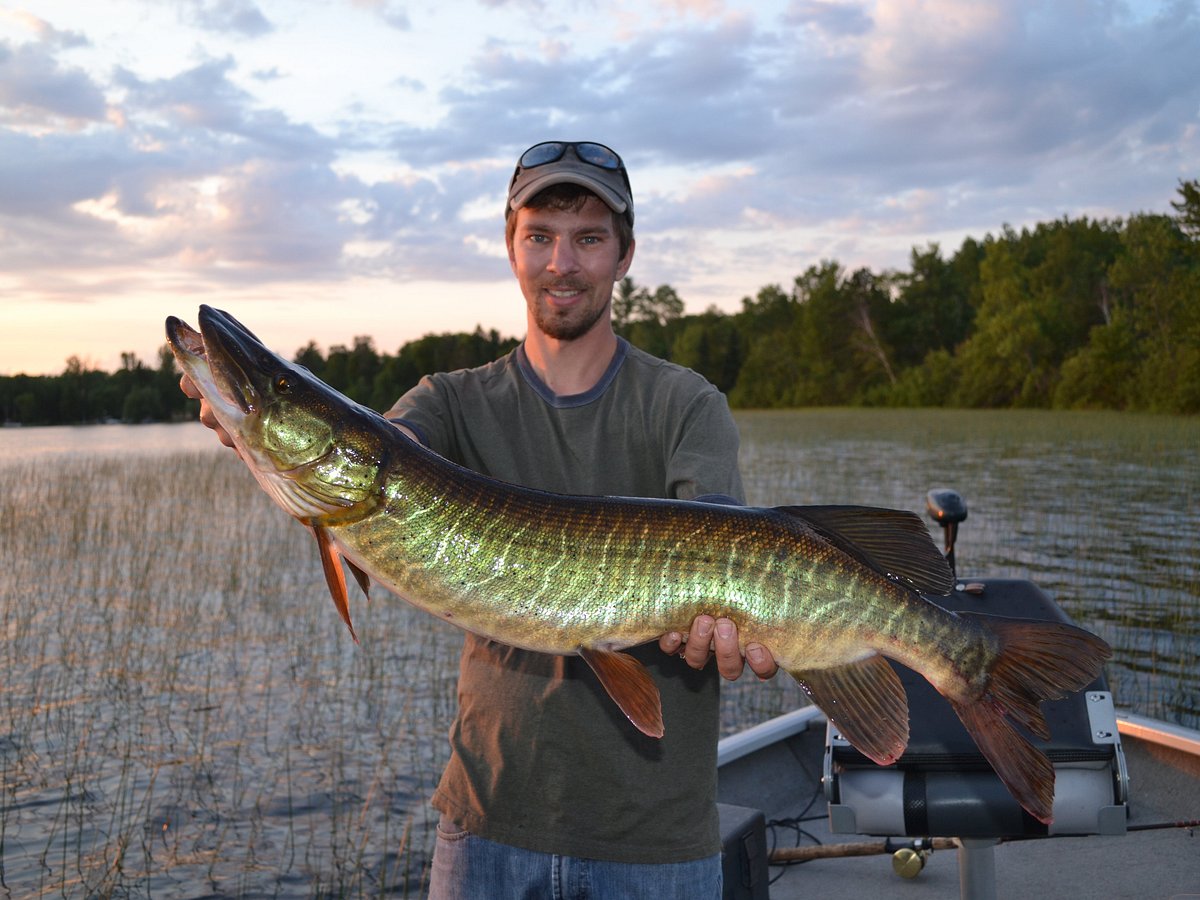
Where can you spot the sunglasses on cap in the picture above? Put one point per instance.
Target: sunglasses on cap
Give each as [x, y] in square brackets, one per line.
[611, 180]
[587, 151]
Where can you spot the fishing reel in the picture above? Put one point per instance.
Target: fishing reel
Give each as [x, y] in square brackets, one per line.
[908, 862]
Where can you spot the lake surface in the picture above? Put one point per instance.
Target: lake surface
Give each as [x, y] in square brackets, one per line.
[17, 444]
[183, 714]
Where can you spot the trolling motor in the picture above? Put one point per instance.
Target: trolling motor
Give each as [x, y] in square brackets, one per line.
[947, 507]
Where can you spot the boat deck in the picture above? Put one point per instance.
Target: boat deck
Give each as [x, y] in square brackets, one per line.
[784, 780]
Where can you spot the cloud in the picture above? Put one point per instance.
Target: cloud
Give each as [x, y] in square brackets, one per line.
[36, 90]
[206, 104]
[816, 129]
[390, 12]
[834, 19]
[197, 175]
[42, 30]
[242, 18]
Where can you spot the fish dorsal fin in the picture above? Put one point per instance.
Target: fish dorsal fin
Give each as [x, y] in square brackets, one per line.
[893, 542]
[334, 576]
[866, 702]
[630, 685]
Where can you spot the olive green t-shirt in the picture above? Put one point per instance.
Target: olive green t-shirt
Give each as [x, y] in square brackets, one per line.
[541, 757]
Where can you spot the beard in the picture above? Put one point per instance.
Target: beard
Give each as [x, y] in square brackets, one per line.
[569, 324]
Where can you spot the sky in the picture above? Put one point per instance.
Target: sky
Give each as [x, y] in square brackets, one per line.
[324, 169]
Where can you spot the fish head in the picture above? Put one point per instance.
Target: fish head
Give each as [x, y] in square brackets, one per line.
[317, 453]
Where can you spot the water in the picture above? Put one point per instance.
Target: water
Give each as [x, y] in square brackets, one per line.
[46, 443]
[183, 714]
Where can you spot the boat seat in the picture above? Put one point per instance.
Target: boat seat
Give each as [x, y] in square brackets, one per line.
[943, 787]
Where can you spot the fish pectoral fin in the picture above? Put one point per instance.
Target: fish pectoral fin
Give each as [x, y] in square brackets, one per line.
[363, 579]
[866, 702]
[630, 685]
[334, 576]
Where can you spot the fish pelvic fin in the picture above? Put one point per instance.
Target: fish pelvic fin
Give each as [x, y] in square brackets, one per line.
[335, 577]
[631, 687]
[892, 542]
[1038, 661]
[865, 701]
[363, 579]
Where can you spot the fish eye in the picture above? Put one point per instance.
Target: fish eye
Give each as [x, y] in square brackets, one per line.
[283, 384]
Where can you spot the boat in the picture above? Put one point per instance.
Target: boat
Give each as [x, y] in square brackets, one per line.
[804, 815]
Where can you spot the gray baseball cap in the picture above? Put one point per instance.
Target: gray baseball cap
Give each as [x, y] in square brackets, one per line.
[585, 163]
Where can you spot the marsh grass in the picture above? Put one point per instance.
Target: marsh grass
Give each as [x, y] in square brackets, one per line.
[182, 713]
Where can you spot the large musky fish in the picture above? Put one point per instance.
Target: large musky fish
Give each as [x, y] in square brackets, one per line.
[830, 590]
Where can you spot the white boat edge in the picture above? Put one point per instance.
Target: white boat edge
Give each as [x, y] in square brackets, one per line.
[755, 738]
[1155, 731]
[772, 731]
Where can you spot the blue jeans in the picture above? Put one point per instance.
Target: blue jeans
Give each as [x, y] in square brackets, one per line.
[468, 867]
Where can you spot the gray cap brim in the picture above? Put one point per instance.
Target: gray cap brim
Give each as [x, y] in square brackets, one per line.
[607, 184]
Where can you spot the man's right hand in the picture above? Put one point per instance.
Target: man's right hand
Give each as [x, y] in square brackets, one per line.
[206, 414]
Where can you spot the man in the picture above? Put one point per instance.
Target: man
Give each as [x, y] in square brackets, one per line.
[549, 791]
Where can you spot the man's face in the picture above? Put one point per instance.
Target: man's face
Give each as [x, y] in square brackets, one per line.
[567, 262]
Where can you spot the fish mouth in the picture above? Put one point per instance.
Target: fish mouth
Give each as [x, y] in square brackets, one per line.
[224, 360]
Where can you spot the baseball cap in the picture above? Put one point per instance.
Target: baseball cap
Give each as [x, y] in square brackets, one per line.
[585, 163]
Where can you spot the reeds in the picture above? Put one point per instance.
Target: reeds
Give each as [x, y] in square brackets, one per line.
[182, 710]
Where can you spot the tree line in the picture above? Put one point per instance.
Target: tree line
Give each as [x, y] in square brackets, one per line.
[1074, 313]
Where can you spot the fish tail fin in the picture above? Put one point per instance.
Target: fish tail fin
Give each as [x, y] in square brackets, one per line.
[1037, 661]
[1025, 770]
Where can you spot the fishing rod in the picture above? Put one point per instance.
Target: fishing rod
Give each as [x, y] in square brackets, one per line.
[909, 856]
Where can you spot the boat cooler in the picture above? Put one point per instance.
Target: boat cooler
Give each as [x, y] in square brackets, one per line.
[943, 787]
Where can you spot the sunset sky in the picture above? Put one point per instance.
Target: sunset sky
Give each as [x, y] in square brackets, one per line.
[330, 168]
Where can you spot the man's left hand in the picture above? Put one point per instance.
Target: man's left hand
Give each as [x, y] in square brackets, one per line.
[709, 636]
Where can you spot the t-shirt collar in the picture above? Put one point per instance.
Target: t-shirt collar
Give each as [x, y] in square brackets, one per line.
[567, 401]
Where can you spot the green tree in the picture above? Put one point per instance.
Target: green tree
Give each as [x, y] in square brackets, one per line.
[770, 311]
[1187, 208]
[24, 408]
[1102, 375]
[766, 378]
[633, 304]
[711, 345]
[646, 318]
[1042, 292]
[1156, 282]
[769, 324]
[841, 352]
[311, 358]
[624, 304]
[934, 306]
[142, 404]
[933, 383]
[1004, 362]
